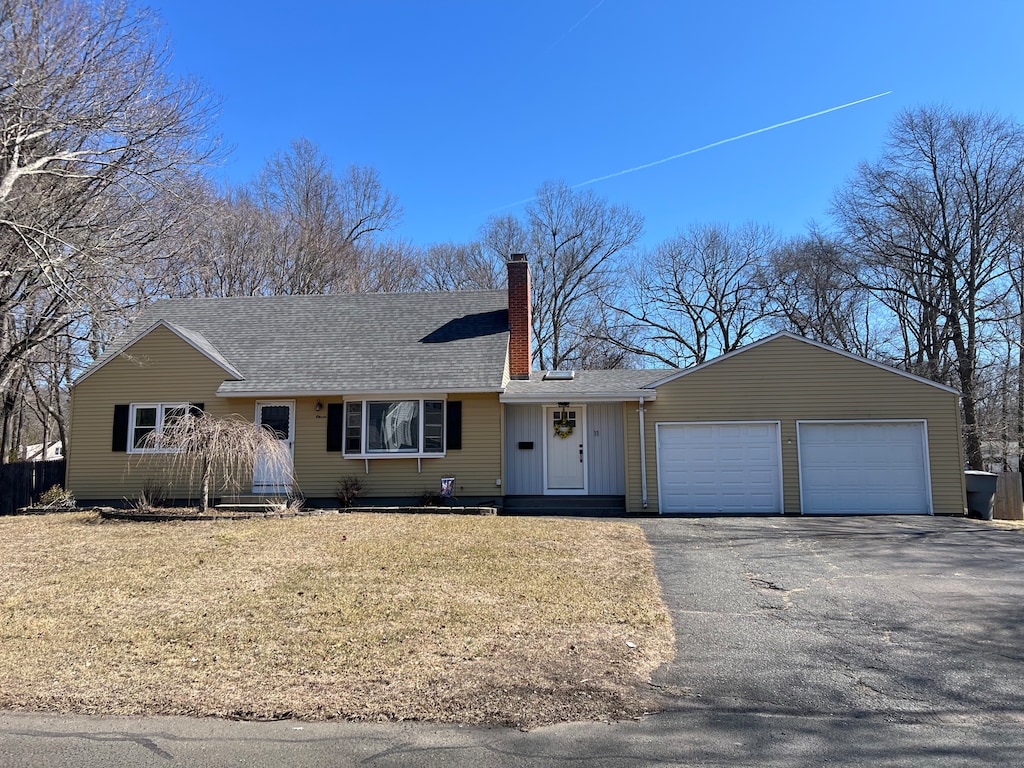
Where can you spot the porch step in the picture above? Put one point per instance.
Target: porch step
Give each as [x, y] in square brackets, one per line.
[579, 506]
[252, 502]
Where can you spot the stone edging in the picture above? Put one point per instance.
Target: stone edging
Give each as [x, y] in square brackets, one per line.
[426, 510]
[44, 510]
[109, 513]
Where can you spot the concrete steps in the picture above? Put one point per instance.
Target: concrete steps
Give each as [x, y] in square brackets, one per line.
[571, 506]
[251, 502]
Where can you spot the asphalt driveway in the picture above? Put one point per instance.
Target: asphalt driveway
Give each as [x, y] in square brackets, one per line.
[910, 618]
[801, 642]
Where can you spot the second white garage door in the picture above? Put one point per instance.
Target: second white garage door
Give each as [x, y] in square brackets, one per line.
[876, 467]
[719, 468]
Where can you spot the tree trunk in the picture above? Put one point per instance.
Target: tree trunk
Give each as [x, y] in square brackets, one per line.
[7, 430]
[206, 485]
[972, 436]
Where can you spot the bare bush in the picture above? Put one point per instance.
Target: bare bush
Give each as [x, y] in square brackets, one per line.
[349, 489]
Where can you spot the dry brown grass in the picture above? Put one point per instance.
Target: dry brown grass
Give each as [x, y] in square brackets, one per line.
[371, 617]
[1009, 525]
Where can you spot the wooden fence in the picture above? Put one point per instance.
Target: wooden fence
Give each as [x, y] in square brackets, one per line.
[21, 483]
[1009, 504]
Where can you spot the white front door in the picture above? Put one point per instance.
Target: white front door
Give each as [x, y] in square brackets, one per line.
[565, 446]
[270, 475]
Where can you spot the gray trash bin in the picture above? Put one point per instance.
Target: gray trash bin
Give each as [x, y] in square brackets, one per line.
[981, 493]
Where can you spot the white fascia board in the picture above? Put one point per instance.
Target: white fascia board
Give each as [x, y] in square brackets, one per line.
[580, 397]
[222, 364]
[813, 343]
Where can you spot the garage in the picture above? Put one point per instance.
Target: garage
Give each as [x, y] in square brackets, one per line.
[788, 424]
[864, 467]
[720, 468]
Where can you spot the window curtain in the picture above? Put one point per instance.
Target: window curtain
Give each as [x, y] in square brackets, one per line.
[398, 425]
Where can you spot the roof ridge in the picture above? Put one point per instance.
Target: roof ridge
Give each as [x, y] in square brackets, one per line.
[336, 296]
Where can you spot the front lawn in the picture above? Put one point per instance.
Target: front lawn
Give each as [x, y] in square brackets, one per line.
[372, 617]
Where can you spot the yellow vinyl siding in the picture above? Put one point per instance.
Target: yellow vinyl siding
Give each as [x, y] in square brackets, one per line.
[159, 368]
[476, 466]
[787, 380]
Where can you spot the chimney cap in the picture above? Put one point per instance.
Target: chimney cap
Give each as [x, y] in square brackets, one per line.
[517, 257]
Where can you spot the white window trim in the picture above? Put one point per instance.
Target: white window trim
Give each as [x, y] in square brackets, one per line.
[161, 409]
[363, 431]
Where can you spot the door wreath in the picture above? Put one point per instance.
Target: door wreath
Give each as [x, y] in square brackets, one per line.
[563, 427]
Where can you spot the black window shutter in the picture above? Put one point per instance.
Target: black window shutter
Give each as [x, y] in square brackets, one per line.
[453, 425]
[334, 426]
[195, 409]
[119, 437]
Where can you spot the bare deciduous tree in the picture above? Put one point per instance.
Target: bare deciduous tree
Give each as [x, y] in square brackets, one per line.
[698, 294]
[1001, 413]
[929, 222]
[324, 217]
[298, 228]
[463, 267]
[98, 148]
[387, 266]
[234, 249]
[814, 291]
[1015, 331]
[573, 239]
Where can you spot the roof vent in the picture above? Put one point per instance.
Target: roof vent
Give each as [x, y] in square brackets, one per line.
[559, 375]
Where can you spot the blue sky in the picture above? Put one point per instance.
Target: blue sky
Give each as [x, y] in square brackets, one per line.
[467, 107]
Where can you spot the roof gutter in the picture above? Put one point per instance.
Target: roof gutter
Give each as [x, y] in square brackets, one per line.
[550, 396]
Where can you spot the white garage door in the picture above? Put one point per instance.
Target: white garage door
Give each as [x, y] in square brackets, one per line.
[864, 468]
[720, 468]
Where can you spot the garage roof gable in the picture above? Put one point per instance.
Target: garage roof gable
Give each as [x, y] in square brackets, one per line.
[811, 342]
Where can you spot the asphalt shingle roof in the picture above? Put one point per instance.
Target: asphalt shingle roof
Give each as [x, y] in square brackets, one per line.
[356, 343]
[586, 384]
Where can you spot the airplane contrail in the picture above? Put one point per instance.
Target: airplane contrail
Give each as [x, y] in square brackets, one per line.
[569, 31]
[706, 146]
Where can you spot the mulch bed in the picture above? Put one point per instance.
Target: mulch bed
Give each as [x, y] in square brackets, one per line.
[171, 514]
[187, 513]
[167, 515]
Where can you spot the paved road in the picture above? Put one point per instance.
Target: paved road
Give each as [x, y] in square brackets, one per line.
[801, 642]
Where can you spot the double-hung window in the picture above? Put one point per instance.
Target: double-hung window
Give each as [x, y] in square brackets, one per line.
[394, 427]
[145, 419]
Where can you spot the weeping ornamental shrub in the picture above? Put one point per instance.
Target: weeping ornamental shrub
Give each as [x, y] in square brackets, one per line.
[215, 453]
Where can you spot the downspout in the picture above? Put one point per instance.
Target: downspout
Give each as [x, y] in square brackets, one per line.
[643, 456]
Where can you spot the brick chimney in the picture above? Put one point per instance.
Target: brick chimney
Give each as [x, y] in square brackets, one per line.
[520, 317]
